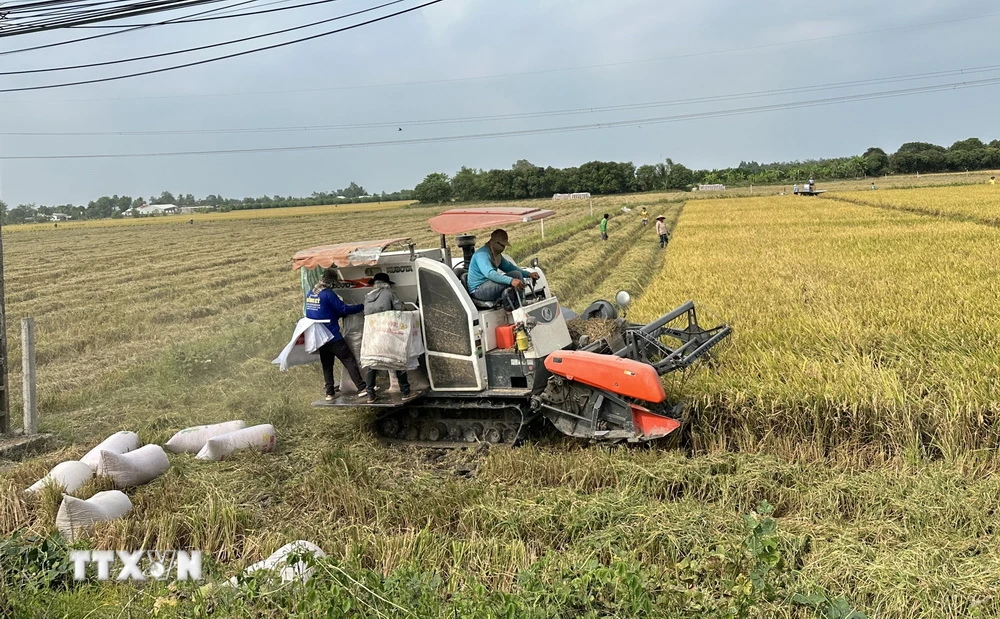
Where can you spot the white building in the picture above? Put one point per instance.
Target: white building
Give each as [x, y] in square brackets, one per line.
[60, 217]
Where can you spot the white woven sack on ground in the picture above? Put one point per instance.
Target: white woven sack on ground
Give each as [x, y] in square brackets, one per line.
[191, 440]
[135, 467]
[68, 475]
[392, 341]
[260, 437]
[76, 515]
[279, 561]
[119, 442]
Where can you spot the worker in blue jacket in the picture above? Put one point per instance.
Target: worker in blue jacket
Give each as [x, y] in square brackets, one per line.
[491, 273]
[322, 303]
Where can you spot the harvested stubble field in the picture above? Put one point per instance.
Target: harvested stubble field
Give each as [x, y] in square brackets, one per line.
[857, 398]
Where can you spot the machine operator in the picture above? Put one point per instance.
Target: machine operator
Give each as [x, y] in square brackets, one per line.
[491, 273]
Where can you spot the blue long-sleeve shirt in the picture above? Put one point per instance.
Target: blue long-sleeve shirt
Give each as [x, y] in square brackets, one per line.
[327, 306]
[481, 269]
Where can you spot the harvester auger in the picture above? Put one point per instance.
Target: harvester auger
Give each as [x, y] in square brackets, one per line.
[489, 370]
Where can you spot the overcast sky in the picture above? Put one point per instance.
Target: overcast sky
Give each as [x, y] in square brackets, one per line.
[414, 67]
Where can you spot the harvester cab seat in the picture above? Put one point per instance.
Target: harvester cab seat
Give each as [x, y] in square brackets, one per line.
[483, 305]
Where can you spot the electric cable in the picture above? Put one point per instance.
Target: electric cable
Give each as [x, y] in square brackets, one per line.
[637, 122]
[226, 57]
[518, 115]
[204, 47]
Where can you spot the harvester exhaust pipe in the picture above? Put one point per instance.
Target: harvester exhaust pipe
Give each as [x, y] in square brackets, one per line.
[467, 243]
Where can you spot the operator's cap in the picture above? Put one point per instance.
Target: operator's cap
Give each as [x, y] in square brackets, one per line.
[381, 277]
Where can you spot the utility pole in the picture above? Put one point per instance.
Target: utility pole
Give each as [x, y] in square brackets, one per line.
[4, 403]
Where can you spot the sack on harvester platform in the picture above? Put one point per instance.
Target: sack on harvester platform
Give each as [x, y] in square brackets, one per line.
[67, 475]
[135, 467]
[350, 327]
[392, 341]
[191, 440]
[76, 515]
[260, 437]
[119, 443]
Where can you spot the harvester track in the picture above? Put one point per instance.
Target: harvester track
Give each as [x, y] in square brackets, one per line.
[456, 423]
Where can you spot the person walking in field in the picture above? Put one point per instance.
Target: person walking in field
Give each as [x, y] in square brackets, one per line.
[383, 299]
[993, 180]
[661, 229]
[323, 304]
[795, 189]
[873, 186]
[645, 216]
[604, 227]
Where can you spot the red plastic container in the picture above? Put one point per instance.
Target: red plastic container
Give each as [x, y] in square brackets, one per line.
[505, 336]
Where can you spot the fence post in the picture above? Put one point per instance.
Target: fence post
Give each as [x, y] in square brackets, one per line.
[28, 375]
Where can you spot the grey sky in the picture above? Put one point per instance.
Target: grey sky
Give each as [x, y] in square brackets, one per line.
[463, 38]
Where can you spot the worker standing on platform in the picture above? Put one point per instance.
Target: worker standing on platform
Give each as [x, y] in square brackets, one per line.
[383, 299]
[323, 304]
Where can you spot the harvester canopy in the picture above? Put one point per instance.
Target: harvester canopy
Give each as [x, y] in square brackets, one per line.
[460, 220]
[355, 254]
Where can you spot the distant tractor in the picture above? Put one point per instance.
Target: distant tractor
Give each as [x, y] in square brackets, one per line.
[492, 371]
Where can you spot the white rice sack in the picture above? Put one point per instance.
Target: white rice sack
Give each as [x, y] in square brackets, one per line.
[191, 440]
[119, 443]
[135, 467]
[76, 515]
[68, 475]
[279, 561]
[260, 437]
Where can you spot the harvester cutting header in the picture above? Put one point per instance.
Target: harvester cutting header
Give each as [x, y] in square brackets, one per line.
[490, 368]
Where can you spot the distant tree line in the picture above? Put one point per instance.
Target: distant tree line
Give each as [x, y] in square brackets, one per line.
[115, 206]
[526, 180]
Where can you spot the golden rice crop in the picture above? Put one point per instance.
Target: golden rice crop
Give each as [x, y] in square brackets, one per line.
[977, 203]
[851, 325]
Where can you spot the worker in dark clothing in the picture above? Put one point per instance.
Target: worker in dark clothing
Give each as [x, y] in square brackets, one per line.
[383, 299]
[323, 304]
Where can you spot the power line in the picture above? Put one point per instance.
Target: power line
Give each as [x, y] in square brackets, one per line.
[26, 18]
[123, 31]
[204, 47]
[225, 16]
[638, 122]
[518, 116]
[285, 92]
[226, 57]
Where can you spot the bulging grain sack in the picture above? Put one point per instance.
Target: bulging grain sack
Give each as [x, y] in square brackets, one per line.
[279, 561]
[191, 440]
[119, 443]
[68, 475]
[260, 437]
[135, 467]
[78, 515]
[392, 341]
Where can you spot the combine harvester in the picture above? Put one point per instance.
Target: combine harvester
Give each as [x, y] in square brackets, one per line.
[482, 391]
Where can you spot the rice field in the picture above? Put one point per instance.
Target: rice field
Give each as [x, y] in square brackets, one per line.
[976, 203]
[857, 398]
